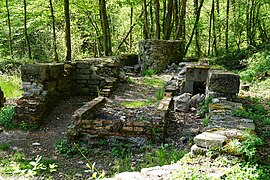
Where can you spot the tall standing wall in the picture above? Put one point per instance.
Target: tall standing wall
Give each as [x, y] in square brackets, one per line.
[158, 54]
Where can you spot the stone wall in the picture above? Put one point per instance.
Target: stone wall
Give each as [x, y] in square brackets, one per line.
[158, 54]
[84, 122]
[43, 85]
[2, 98]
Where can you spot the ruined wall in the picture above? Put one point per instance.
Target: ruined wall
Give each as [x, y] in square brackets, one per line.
[43, 85]
[93, 74]
[85, 122]
[158, 54]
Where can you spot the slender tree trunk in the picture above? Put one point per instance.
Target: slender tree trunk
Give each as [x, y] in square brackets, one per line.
[219, 27]
[25, 30]
[210, 27]
[195, 26]
[151, 31]
[227, 26]
[168, 20]
[145, 25]
[55, 55]
[157, 24]
[196, 7]
[9, 31]
[130, 36]
[105, 28]
[164, 15]
[214, 29]
[67, 30]
[247, 23]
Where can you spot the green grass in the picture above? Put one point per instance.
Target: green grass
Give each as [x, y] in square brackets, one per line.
[11, 86]
[6, 117]
[137, 104]
[153, 81]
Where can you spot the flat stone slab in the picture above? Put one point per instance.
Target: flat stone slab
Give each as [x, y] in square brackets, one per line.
[129, 176]
[210, 140]
[195, 150]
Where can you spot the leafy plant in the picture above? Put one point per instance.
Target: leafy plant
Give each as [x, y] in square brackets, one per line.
[6, 117]
[120, 149]
[11, 86]
[206, 120]
[4, 147]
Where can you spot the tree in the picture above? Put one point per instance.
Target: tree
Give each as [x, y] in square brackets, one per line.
[9, 31]
[105, 28]
[168, 20]
[25, 30]
[145, 24]
[55, 56]
[157, 21]
[67, 30]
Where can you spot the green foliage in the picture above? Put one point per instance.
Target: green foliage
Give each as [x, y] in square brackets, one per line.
[6, 117]
[18, 164]
[258, 65]
[67, 149]
[4, 147]
[153, 81]
[160, 94]
[120, 149]
[11, 86]
[149, 72]
[206, 120]
[137, 104]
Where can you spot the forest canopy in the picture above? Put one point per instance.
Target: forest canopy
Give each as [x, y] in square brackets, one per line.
[36, 29]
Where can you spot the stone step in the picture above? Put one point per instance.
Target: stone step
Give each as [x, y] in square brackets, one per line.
[210, 140]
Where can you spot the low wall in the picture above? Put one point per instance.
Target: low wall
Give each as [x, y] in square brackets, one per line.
[158, 54]
[84, 122]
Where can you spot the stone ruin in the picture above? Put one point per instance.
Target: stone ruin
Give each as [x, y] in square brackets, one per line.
[2, 98]
[158, 54]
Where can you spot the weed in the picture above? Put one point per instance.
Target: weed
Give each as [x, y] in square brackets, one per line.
[149, 72]
[120, 149]
[206, 120]
[6, 116]
[4, 147]
[160, 94]
[129, 80]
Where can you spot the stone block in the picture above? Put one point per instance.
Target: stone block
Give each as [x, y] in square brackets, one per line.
[188, 87]
[129, 176]
[197, 73]
[195, 150]
[210, 140]
[56, 71]
[223, 82]
[35, 73]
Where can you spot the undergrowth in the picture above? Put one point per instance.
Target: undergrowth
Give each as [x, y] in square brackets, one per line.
[11, 86]
[6, 117]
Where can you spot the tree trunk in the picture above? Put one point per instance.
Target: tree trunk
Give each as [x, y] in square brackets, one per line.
[210, 27]
[105, 28]
[195, 26]
[25, 30]
[55, 55]
[168, 20]
[9, 31]
[181, 23]
[145, 25]
[157, 24]
[227, 26]
[219, 27]
[151, 31]
[67, 29]
[131, 23]
[198, 49]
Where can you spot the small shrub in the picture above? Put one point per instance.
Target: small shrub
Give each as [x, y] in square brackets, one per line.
[6, 117]
[4, 147]
[206, 120]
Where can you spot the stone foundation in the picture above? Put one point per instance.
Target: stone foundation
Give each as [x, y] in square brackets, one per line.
[85, 122]
[158, 54]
